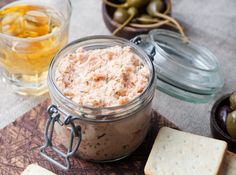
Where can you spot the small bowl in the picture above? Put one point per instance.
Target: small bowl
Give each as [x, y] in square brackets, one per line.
[216, 130]
[128, 32]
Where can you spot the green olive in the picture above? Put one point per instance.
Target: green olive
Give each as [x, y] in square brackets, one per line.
[128, 3]
[120, 15]
[146, 19]
[155, 6]
[145, 16]
[136, 3]
[132, 12]
[231, 124]
[232, 100]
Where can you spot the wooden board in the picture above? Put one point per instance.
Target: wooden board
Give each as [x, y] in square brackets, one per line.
[20, 142]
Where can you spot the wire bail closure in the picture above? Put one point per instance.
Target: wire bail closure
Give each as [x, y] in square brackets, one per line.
[143, 42]
[54, 114]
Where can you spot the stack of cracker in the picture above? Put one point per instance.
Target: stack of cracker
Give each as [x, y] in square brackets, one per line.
[179, 153]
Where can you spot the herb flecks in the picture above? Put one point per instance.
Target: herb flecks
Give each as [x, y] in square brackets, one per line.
[107, 78]
[98, 137]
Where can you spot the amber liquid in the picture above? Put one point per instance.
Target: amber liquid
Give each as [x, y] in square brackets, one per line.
[37, 36]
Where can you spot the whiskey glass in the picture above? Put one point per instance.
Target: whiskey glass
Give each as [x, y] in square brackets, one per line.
[29, 42]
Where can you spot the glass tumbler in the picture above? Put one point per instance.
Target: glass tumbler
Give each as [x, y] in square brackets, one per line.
[31, 33]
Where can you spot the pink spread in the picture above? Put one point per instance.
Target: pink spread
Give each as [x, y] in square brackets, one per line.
[106, 77]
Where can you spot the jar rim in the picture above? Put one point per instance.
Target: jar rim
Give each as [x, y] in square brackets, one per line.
[74, 105]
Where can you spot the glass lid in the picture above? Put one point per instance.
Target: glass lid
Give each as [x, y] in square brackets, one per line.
[183, 69]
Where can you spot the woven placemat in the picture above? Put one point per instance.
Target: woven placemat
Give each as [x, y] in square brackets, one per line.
[20, 142]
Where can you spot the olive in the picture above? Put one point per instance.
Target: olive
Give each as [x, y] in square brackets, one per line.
[120, 15]
[132, 12]
[121, 1]
[136, 3]
[146, 16]
[222, 115]
[146, 19]
[231, 124]
[128, 3]
[232, 100]
[155, 6]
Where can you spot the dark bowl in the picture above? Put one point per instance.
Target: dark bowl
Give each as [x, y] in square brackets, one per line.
[216, 130]
[128, 32]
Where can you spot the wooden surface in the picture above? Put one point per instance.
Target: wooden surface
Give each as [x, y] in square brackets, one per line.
[20, 142]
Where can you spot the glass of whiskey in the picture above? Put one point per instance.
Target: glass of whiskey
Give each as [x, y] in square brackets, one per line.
[31, 33]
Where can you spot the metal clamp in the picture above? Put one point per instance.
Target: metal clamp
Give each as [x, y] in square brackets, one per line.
[143, 42]
[54, 114]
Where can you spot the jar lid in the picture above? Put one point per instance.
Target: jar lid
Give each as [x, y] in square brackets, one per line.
[183, 70]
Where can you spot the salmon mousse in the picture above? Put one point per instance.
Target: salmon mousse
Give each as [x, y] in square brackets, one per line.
[106, 77]
[114, 79]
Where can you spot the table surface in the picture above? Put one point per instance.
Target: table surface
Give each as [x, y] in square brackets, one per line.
[210, 23]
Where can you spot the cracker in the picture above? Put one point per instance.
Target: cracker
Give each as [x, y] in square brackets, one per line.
[179, 153]
[34, 169]
[228, 166]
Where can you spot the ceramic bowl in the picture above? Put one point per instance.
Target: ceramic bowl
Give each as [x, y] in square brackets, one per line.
[127, 32]
[216, 130]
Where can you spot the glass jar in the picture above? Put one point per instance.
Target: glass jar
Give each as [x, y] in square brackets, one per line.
[105, 134]
[183, 69]
[178, 68]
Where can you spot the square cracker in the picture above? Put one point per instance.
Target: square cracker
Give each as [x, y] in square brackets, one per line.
[228, 166]
[179, 153]
[34, 169]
